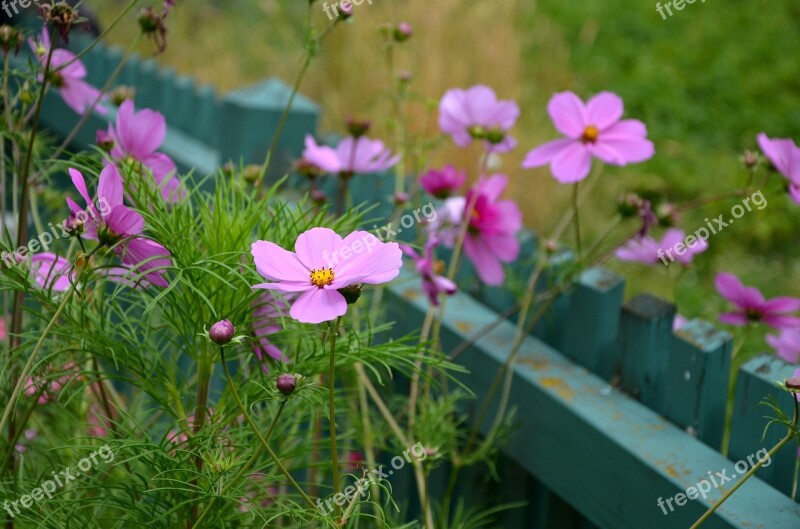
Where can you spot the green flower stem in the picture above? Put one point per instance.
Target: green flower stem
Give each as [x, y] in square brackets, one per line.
[332, 416]
[242, 471]
[261, 439]
[791, 434]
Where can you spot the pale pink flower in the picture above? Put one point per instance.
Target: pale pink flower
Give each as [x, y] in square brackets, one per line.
[477, 114]
[595, 129]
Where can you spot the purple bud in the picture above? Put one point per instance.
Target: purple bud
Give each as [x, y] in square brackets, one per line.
[403, 32]
[221, 332]
[401, 198]
[286, 383]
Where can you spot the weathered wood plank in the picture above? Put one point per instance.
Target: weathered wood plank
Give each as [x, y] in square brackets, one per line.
[612, 457]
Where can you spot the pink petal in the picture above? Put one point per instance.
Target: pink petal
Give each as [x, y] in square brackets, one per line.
[287, 286]
[487, 265]
[318, 305]
[568, 114]
[377, 262]
[604, 109]
[124, 221]
[80, 185]
[572, 164]
[110, 186]
[731, 288]
[781, 304]
[734, 318]
[276, 264]
[140, 133]
[544, 154]
[781, 322]
[316, 247]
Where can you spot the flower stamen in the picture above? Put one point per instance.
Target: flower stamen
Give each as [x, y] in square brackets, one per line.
[590, 134]
[321, 277]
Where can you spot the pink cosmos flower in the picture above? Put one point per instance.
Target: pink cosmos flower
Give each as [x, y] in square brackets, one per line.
[138, 135]
[268, 309]
[784, 155]
[433, 284]
[443, 182]
[491, 237]
[594, 129]
[476, 113]
[445, 225]
[786, 344]
[117, 222]
[752, 307]
[76, 93]
[351, 156]
[2, 329]
[647, 250]
[323, 263]
[52, 272]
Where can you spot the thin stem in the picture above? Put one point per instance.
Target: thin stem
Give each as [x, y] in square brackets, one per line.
[242, 471]
[577, 219]
[789, 436]
[332, 416]
[261, 439]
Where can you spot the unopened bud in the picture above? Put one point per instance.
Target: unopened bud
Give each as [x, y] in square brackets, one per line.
[286, 384]
[221, 332]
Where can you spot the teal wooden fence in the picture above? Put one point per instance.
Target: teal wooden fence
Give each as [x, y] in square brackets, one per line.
[615, 410]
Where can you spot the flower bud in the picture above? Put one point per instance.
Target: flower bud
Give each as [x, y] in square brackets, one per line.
[221, 332]
[351, 293]
[10, 38]
[629, 204]
[668, 215]
[345, 9]
[104, 140]
[319, 197]
[750, 159]
[400, 198]
[793, 385]
[358, 127]
[286, 384]
[402, 32]
[62, 16]
[252, 173]
[120, 94]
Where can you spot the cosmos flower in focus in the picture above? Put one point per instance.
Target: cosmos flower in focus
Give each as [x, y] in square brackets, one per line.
[595, 129]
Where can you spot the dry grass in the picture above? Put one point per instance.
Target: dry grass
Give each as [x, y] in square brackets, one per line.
[455, 44]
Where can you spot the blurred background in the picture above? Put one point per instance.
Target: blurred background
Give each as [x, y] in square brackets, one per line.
[705, 81]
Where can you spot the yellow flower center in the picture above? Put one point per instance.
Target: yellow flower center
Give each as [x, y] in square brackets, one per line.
[590, 134]
[321, 277]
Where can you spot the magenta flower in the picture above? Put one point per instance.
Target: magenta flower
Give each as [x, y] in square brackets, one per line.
[137, 135]
[647, 250]
[268, 309]
[491, 237]
[433, 284]
[443, 182]
[594, 129]
[784, 155]
[52, 272]
[2, 329]
[477, 114]
[116, 223]
[786, 344]
[323, 263]
[69, 80]
[752, 307]
[351, 156]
